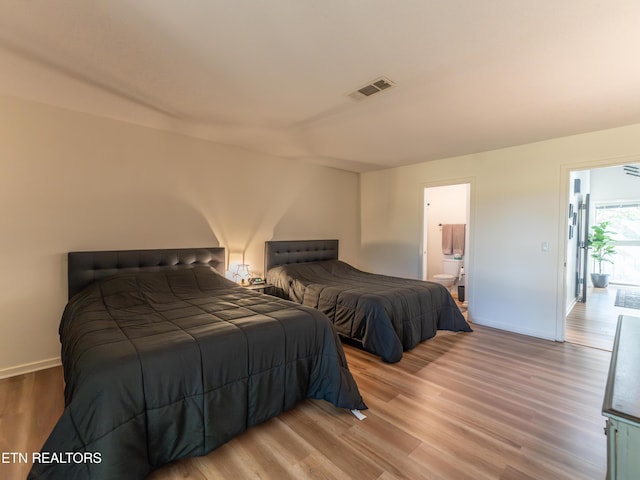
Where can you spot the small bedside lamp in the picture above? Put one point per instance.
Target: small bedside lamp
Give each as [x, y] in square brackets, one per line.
[242, 275]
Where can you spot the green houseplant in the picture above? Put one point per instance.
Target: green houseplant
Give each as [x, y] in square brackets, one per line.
[603, 249]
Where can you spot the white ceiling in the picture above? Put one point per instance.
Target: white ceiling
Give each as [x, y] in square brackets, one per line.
[275, 76]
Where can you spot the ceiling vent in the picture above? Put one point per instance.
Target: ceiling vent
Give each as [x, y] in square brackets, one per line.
[373, 87]
[632, 170]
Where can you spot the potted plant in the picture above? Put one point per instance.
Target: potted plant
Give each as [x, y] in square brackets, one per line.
[603, 249]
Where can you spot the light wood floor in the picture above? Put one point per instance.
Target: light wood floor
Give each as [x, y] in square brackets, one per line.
[482, 405]
[593, 323]
[29, 408]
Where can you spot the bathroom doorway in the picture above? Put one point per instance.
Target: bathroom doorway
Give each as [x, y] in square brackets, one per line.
[444, 206]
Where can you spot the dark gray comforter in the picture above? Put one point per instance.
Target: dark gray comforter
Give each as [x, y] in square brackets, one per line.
[165, 365]
[385, 314]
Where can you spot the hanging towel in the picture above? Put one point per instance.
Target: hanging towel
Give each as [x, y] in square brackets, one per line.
[447, 239]
[457, 238]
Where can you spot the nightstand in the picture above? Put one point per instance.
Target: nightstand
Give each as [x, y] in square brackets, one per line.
[260, 287]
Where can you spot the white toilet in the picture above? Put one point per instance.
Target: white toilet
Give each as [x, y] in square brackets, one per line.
[451, 270]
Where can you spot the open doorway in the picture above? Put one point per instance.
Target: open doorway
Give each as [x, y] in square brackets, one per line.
[446, 236]
[610, 194]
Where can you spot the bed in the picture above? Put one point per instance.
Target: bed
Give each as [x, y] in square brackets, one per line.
[384, 315]
[164, 358]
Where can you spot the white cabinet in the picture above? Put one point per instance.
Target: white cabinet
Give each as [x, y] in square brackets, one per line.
[621, 403]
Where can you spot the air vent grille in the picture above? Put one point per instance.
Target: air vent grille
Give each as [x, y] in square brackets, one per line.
[368, 90]
[373, 87]
[632, 170]
[382, 84]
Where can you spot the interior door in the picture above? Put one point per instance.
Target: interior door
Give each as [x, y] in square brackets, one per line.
[582, 228]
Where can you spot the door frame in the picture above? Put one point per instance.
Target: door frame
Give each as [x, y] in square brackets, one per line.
[469, 247]
[563, 229]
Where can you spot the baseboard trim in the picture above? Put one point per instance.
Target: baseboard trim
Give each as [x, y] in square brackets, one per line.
[508, 327]
[29, 367]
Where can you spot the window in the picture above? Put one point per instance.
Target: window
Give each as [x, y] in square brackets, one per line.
[624, 219]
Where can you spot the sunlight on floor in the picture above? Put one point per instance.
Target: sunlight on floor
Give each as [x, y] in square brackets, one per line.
[593, 324]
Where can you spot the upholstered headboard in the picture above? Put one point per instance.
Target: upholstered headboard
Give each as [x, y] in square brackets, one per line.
[298, 251]
[87, 267]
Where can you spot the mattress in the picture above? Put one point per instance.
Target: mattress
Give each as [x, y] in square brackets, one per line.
[386, 315]
[169, 364]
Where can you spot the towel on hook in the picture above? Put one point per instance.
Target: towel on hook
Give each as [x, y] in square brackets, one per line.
[457, 238]
[447, 239]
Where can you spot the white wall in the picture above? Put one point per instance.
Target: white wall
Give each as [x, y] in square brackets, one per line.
[72, 181]
[613, 184]
[519, 198]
